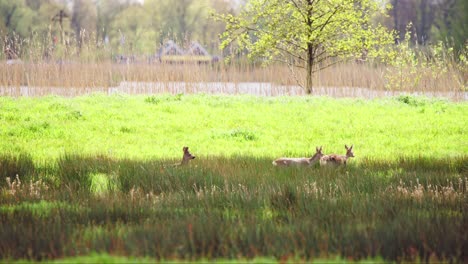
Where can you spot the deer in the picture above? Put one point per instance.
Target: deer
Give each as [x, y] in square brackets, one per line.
[186, 157]
[334, 159]
[304, 162]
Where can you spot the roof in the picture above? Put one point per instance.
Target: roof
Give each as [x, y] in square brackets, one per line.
[170, 48]
[196, 49]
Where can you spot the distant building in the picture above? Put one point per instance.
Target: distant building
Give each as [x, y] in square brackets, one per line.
[171, 53]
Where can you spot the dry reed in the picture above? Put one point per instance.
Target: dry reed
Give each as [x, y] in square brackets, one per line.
[347, 79]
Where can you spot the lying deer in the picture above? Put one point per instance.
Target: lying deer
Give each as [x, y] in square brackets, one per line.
[307, 162]
[334, 159]
[186, 158]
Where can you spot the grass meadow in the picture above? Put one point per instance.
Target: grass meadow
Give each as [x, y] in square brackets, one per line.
[88, 177]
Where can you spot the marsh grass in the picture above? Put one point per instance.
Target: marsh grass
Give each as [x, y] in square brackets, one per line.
[12, 165]
[95, 178]
[243, 206]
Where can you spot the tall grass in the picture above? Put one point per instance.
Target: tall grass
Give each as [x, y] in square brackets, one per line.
[64, 79]
[243, 206]
[92, 174]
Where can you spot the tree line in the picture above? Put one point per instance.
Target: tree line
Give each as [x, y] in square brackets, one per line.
[431, 20]
[133, 26]
[140, 26]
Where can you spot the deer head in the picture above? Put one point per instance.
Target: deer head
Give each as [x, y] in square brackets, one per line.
[349, 151]
[187, 156]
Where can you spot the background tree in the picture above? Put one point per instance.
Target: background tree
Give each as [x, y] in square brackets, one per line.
[212, 29]
[107, 10]
[432, 21]
[452, 23]
[19, 19]
[187, 20]
[131, 31]
[84, 19]
[309, 34]
[180, 20]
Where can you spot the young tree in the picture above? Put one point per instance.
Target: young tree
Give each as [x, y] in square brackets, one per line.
[309, 34]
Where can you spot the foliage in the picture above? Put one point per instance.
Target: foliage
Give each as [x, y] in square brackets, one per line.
[432, 21]
[414, 66]
[450, 26]
[131, 30]
[314, 33]
[124, 26]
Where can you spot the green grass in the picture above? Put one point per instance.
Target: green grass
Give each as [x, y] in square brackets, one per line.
[96, 180]
[140, 127]
[229, 208]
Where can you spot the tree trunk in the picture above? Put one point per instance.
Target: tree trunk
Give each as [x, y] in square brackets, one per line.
[396, 22]
[309, 68]
[310, 50]
[422, 32]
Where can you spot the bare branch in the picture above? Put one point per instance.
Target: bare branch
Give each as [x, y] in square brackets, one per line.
[327, 65]
[290, 53]
[328, 19]
[293, 73]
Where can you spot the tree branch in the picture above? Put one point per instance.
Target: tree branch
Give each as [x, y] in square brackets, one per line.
[291, 54]
[299, 9]
[298, 81]
[327, 65]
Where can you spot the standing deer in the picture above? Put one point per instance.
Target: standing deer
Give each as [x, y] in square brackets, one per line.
[306, 162]
[334, 159]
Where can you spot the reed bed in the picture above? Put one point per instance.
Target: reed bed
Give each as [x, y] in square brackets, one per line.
[35, 66]
[345, 79]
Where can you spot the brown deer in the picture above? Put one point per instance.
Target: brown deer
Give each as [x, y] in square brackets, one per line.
[334, 159]
[306, 162]
[187, 157]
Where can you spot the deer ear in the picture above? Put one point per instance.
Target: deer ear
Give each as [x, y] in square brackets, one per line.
[185, 149]
[351, 147]
[346, 146]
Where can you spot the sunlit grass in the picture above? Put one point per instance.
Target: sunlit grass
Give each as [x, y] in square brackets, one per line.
[159, 126]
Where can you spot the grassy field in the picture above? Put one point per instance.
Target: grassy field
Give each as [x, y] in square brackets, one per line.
[156, 127]
[93, 177]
